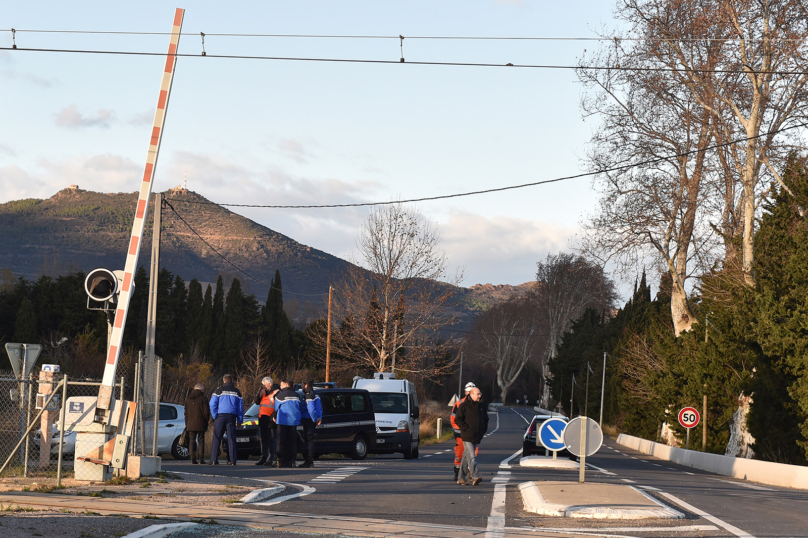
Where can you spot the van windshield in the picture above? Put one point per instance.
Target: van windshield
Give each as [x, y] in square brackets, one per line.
[389, 402]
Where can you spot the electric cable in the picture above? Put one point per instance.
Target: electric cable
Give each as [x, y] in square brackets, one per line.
[500, 189]
[242, 271]
[425, 63]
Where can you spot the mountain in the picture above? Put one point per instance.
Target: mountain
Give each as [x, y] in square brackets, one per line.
[78, 229]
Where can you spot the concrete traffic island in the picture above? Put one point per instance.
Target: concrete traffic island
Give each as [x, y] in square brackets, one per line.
[592, 500]
[547, 462]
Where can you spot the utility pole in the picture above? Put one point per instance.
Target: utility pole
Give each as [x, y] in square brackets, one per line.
[395, 343]
[328, 337]
[602, 389]
[151, 324]
[586, 395]
[704, 426]
[460, 379]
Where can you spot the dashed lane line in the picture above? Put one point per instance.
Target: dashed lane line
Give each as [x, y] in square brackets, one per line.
[731, 528]
[686, 472]
[742, 484]
[604, 471]
[627, 481]
[589, 531]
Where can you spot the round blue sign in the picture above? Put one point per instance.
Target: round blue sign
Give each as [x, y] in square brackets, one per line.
[551, 434]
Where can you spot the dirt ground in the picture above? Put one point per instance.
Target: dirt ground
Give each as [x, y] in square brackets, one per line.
[16, 522]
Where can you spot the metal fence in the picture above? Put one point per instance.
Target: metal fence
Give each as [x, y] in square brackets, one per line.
[148, 373]
[37, 453]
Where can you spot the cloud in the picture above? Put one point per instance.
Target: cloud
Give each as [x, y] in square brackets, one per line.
[71, 118]
[6, 151]
[294, 150]
[41, 82]
[144, 118]
[102, 173]
[501, 249]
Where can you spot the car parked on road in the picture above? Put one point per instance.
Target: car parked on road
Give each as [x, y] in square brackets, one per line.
[170, 425]
[529, 446]
[348, 427]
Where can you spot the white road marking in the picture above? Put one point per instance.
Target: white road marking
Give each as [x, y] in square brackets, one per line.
[750, 486]
[604, 471]
[496, 520]
[504, 463]
[337, 475]
[656, 465]
[731, 528]
[628, 481]
[307, 490]
[691, 474]
[632, 457]
[425, 455]
[590, 530]
[649, 488]
[518, 414]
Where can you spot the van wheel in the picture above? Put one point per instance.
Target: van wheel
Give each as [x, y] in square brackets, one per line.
[415, 453]
[359, 450]
[179, 452]
[408, 452]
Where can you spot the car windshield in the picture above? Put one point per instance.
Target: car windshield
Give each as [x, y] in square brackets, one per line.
[389, 402]
[252, 411]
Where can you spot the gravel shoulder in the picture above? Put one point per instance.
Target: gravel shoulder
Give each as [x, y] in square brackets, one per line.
[24, 523]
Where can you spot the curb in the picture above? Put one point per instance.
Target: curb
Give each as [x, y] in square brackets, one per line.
[259, 495]
[547, 462]
[157, 531]
[535, 503]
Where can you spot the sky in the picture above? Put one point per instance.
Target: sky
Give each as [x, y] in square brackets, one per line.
[291, 132]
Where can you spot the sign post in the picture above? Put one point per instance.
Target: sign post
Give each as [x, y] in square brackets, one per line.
[689, 419]
[583, 437]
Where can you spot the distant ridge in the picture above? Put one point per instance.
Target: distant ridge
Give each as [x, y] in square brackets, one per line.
[83, 229]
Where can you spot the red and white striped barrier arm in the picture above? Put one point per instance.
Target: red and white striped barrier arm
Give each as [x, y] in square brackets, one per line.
[113, 354]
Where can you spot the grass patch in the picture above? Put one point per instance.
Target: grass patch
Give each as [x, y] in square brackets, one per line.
[166, 474]
[122, 480]
[94, 494]
[145, 484]
[149, 517]
[205, 521]
[44, 488]
[18, 508]
[230, 501]
[427, 441]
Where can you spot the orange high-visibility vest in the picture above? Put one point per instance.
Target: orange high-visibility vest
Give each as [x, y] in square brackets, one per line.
[267, 405]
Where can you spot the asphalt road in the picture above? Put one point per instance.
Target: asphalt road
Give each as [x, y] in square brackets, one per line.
[423, 490]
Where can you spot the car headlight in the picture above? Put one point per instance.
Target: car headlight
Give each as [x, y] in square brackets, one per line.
[403, 427]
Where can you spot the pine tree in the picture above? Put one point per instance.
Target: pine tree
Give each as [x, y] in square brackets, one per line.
[25, 326]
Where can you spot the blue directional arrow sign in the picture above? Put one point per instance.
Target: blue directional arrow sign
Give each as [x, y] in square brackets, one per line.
[551, 434]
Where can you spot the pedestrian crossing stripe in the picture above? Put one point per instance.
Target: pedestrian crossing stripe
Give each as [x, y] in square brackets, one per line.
[336, 475]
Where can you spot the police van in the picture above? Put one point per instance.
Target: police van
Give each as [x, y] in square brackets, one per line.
[395, 405]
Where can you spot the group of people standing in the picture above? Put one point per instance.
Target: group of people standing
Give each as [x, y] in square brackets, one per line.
[280, 413]
[469, 423]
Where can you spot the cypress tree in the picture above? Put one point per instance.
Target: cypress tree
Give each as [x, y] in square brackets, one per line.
[206, 325]
[25, 326]
[276, 326]
[217, 323]
[194, 313]
[234, 334]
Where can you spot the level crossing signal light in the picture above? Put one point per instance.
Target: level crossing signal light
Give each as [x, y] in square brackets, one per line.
[103, 286]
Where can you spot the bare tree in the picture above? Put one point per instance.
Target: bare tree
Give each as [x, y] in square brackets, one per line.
[567, 285]
[393, 302]
[255, 364]
[653, 167]
[754, 91]
[509, 336]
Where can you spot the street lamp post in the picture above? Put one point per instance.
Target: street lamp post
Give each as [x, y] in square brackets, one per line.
[602, 388]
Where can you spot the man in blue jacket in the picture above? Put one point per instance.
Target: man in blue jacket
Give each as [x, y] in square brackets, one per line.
[312, 415]
[287, 413]
[227, 411]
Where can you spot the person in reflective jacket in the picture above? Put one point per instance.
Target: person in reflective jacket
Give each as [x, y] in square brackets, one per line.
[227, 410]
[456, 429]
[287, 415]
[265, 400]
[312, 416]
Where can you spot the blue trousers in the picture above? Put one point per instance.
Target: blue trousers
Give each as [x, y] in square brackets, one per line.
[225, 421]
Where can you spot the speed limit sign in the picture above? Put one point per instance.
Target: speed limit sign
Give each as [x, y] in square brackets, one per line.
[689, 417]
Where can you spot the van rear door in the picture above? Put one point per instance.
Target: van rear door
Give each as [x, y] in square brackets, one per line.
[337, 430]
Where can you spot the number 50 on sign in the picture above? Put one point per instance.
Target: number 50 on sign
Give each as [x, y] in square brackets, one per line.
[689, 417]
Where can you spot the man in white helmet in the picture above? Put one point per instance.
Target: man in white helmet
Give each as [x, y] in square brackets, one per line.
[458, 441]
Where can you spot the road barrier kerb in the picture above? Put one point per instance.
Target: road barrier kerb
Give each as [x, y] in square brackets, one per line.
[158, 531]
[764, 472]
[259, 495]
[535, 502]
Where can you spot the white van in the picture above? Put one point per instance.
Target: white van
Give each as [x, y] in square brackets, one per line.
[395, 405]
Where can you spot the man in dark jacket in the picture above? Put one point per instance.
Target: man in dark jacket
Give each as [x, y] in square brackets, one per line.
[227, 410]
[311, 417]
[197, 416]
[472, 418]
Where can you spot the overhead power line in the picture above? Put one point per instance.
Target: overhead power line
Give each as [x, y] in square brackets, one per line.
[392, 37]
[401, 61]
[500, 189]
[239, 269]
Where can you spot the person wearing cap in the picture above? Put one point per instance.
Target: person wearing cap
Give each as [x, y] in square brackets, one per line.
[265, 399]
[287, 413]
[456, 429]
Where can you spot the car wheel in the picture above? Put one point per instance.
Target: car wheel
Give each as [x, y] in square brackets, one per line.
[179, 452]
[408, 452]
[359, 450]
[415, 453]
[526, 450]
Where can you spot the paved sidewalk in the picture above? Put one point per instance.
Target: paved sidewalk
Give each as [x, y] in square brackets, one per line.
[264, 520]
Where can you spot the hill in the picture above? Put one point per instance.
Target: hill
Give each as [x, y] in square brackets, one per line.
[77, 229]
